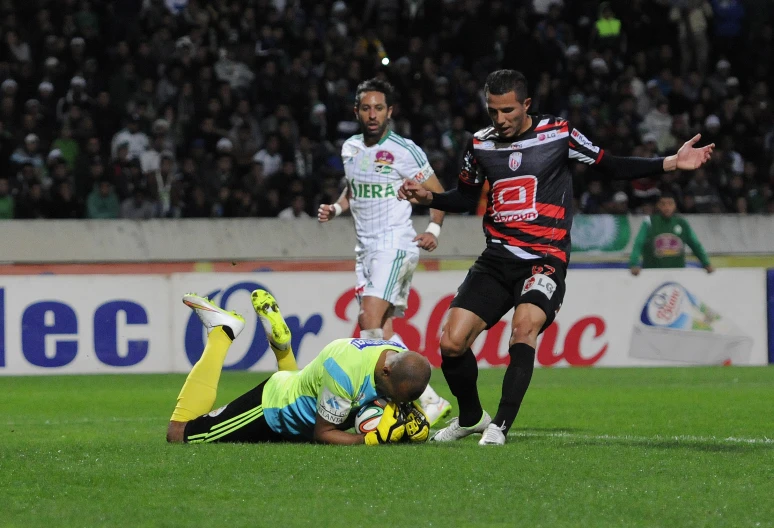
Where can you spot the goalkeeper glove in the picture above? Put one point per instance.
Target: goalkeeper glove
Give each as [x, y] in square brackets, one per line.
[391, 427]
[417, 425]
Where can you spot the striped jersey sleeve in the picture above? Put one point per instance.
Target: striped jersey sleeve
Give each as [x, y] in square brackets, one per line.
[581, 148]
[412, 164]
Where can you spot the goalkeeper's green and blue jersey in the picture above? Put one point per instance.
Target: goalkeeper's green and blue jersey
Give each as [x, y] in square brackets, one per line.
[339, 380]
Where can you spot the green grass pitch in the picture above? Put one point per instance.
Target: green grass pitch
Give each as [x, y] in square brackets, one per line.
[591, 447]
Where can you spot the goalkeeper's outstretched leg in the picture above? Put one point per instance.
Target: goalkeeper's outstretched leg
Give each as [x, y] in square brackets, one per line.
[277, 331]
[201, 387]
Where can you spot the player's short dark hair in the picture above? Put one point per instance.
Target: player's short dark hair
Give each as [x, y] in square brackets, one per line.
[665, 194]
[501, 82]
[411, 372]
[375, 85]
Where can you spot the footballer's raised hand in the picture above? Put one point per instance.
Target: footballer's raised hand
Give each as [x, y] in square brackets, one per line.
[415, 193]
[689, 157]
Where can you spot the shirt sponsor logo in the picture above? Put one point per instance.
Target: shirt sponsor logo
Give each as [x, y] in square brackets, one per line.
[332, 417]
[583, 140]
[372, 190]
[541, 283]
[513, 199]
[668, 245]
[332, 408]
[514, 160]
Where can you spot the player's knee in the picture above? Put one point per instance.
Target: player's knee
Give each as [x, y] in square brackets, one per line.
[453, 344]
[176, 432]
[526, 329]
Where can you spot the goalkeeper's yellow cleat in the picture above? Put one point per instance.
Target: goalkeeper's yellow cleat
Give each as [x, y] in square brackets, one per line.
[274, 325]
[212, 315]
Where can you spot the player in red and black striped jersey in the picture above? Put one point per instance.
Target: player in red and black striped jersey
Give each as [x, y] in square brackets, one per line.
[527, 226]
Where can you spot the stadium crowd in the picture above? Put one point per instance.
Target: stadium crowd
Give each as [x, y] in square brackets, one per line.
[175, 108]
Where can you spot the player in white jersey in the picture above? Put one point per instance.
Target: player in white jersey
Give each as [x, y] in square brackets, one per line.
[376, 163]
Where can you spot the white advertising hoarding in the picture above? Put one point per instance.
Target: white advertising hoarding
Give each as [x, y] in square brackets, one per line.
[101, 324]
[84, 324]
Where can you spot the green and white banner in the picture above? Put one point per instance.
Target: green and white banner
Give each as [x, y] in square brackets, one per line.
[606, 233]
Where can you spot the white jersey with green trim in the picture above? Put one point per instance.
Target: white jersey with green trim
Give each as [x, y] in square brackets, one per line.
[374, 175]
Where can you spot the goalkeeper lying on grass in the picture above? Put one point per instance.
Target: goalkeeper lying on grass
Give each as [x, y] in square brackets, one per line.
[312, 404]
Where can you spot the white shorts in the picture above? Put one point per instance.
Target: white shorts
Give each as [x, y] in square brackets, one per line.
[387, 274]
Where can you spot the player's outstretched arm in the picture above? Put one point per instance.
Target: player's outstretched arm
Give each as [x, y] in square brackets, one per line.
[327, 212]
[631, 168]
[459, 200]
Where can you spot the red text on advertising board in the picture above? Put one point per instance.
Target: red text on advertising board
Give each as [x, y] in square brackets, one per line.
[589, 331]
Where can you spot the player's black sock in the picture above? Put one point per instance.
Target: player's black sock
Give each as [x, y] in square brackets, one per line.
[229, 332]
[515, 383]
[461, 374]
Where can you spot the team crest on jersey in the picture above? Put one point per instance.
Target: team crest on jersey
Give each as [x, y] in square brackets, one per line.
[514, 160]
[383, 161]
[385, 157]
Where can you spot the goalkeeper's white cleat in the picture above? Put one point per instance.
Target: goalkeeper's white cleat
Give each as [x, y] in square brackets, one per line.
[454, 431]
[493, 435]
[437, 410]
[277, 331]
[212, 315]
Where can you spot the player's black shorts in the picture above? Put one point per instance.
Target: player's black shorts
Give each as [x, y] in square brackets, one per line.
[496, 283]
[242, 420]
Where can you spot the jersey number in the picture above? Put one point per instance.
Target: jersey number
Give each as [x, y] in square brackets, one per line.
[514, 199]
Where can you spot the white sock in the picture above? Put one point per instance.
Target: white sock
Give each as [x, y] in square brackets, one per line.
[396, 338]
[428, 397]
[375, 333]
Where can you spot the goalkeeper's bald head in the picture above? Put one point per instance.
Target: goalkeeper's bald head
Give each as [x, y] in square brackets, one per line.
[409, 374]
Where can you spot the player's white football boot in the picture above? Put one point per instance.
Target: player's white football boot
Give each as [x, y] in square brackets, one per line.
[454, 431]
[212, 315]
[436, 410]
[274, 325]
[493, 435]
